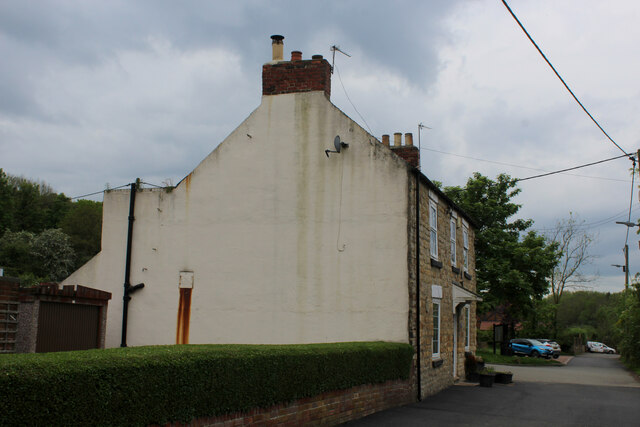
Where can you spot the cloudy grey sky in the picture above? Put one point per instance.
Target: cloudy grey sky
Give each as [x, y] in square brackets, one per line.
[96, 93]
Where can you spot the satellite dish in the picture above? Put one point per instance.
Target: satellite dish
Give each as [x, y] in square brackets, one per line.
[338, 146]
[336, 143]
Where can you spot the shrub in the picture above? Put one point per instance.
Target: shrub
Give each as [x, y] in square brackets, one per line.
[158, 384]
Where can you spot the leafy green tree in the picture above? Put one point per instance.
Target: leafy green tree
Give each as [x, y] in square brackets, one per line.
[589, 314]
[53, 255]
[47, 256]
[29, 205]
[6, 203]
[83, 224]
[628, 325]
[512, 265]
[15, 252]
[29, 213]
[539, 323]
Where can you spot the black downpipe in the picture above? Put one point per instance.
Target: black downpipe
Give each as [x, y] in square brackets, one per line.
[128, 289]
[418, 360]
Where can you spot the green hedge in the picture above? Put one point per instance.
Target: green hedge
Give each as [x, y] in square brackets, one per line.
[157, 384]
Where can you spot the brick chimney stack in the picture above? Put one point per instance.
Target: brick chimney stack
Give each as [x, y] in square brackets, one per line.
[297, 75]
[408, 151]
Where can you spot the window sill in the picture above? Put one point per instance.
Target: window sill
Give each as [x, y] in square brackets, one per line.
[456, 270]
[437, 362]
[467, 276]
[435, 263]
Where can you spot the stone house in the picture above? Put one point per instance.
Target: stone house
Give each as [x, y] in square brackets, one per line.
[299, 227]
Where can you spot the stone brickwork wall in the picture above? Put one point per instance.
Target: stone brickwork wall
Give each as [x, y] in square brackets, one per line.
[438, 373]
[326, 409]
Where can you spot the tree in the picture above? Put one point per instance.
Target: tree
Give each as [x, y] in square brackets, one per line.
[15, 252]
[6, 203]
[47, 256]
[512, 267]
[29, 205]
[83, 224]
[573, 246]
[53, 254]
[628, 325]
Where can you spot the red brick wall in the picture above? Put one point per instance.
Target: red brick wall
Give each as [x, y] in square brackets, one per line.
[296, 76]
[330, 408]
[409, 153]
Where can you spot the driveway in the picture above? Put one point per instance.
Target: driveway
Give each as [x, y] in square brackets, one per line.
[568, 395]
[588, 369]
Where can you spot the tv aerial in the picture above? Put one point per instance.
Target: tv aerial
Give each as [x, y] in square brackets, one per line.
[335, 48]
[338, 146]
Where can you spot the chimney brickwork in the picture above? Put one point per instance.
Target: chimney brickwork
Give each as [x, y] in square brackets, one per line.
[297, 75]
[408, 151]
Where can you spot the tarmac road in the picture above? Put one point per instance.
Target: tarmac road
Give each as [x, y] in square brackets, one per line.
[589, 369]
[591, 390]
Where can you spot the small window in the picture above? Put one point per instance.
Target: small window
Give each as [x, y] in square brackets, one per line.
[433, 225]
[452, 232]
[436, 329]
[465, 250]
[467, 316]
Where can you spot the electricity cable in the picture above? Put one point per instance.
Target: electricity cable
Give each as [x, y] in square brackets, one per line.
[98, 192]
[594, 224]
[115, 188]
[153, 185]
[349, 99]
[520, 166]
[575, 167]
[561, 79]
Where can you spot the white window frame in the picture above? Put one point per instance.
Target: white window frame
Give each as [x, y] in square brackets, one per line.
[436, 328]
[465, 246]
[467, 330]
[454, 246]
[433, 229]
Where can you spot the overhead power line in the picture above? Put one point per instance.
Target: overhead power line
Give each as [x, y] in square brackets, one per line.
[595, 224]
[573, 168]
[561, 79]
[351, 102]
[98, 192]
[520, 166]
[115, 188]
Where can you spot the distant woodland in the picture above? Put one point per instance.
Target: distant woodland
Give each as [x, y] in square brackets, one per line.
[44, 235]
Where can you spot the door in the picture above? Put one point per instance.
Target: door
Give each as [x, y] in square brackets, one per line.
[66, 327]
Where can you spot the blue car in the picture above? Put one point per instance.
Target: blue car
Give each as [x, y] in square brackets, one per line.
[529, 347]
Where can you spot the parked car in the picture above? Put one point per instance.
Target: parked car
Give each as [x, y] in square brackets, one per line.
[602, 348]
[530, 347]
[554, 346]
[594, 346]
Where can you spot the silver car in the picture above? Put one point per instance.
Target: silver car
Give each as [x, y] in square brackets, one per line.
[554, 346]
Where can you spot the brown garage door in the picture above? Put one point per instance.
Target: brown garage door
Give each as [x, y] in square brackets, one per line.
[64, 327]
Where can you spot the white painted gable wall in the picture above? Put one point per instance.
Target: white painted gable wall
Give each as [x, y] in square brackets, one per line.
[262, 222]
